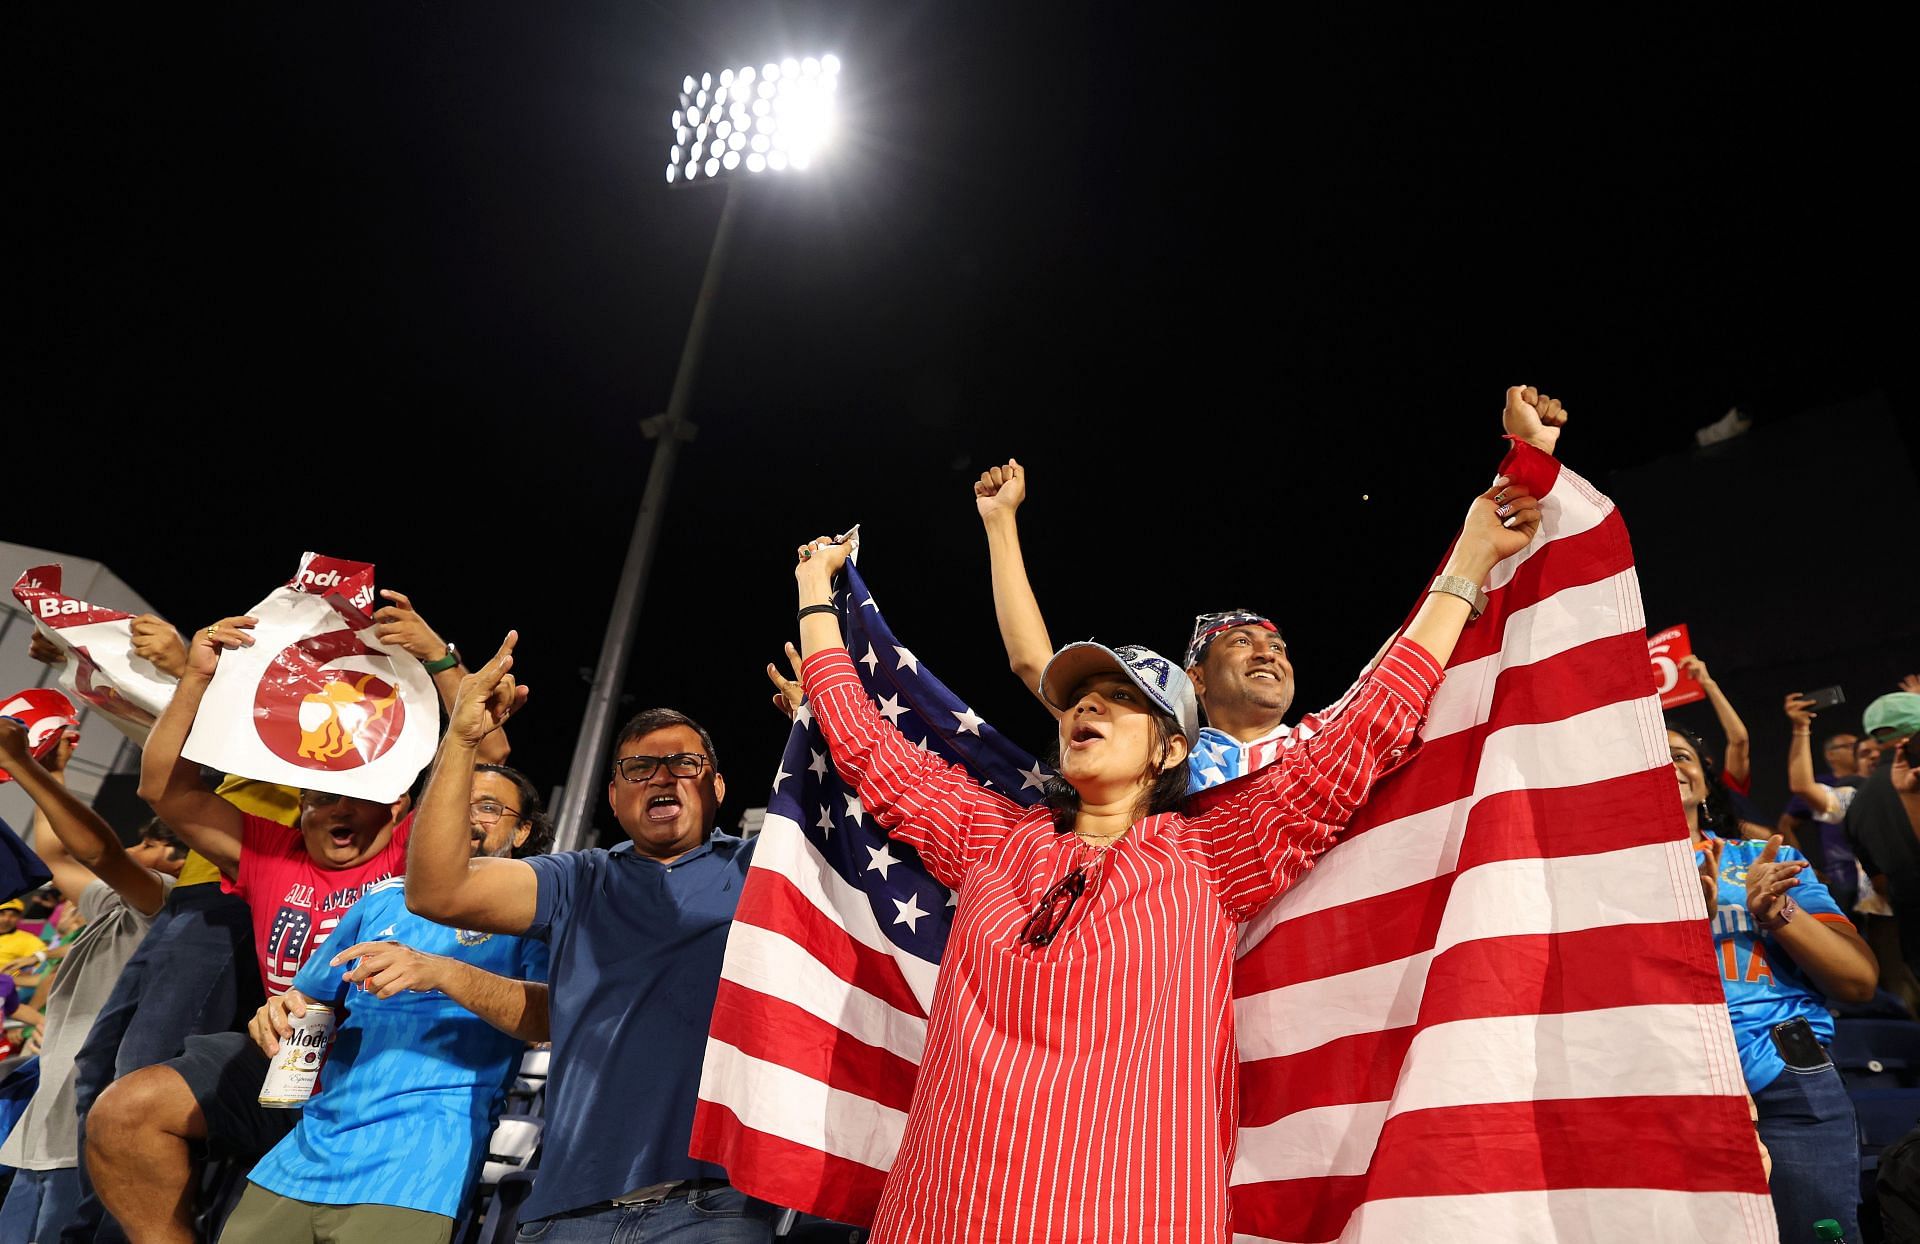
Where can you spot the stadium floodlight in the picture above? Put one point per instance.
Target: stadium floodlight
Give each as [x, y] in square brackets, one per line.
[784, 110]
[737, 125]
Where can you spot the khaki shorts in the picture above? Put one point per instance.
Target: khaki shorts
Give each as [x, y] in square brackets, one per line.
[264, 1217]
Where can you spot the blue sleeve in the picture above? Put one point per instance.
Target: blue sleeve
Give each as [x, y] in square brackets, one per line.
[532, 960]
[557, 879]
[1812, 894]
[316, 978]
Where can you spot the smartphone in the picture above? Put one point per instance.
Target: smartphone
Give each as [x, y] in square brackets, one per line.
[1825, 698]
[1798, 1046]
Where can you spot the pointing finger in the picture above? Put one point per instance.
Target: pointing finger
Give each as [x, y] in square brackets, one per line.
[503, 659]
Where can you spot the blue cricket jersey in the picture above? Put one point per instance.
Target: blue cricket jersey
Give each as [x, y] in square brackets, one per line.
[1764, 986]
[409, 1095]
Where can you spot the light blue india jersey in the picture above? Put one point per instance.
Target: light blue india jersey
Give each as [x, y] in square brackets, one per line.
[1764, 985]
[409, 1096]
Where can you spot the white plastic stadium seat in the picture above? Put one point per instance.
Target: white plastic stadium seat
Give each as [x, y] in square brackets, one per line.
[532, 1076]
[515, 1139]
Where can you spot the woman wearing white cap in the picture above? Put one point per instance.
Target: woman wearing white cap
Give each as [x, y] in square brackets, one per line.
[1078, 1081]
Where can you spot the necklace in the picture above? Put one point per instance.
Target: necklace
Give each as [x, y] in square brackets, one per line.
[1099, 842]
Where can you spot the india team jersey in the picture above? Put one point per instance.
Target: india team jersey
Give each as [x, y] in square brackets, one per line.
[296, 902]
[409, 1095]
[1763, 984]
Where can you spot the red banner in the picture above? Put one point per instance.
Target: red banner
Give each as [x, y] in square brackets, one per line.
[1674, 684]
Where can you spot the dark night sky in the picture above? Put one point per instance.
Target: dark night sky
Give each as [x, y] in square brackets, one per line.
[397, 283]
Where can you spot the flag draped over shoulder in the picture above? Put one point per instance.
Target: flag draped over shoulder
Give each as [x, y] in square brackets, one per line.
[1490, 1013]
[830, 967]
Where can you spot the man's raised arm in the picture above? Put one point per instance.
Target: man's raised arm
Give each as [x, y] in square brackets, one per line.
[169, 782]
[997, 494]
[76, 845]
[446, 883]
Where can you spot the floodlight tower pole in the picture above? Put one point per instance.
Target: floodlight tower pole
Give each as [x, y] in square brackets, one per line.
[668, 431]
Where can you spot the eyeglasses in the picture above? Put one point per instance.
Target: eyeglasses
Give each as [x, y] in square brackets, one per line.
[640, 768]
[487, 812]
[1048, 918]
[319, 798]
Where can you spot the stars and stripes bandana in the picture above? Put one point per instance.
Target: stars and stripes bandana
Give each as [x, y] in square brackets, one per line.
[1207, 626]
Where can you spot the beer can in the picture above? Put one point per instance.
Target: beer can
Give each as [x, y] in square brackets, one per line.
[292, 1073]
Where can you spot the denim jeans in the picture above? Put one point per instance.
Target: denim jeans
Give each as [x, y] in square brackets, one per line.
[722, 1215]
[38, 1205]
[192, 973]
[1807, 1123]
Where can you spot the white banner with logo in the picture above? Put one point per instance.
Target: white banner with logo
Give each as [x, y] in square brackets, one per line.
[101, 670]
[317, 702]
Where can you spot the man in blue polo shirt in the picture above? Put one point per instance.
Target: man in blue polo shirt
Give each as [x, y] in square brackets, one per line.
[637, 935]
[435, 1022]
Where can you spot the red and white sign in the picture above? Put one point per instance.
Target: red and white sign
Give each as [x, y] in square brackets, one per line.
[317, 702]
[1674, 685]
[101, 670]
[45, 714]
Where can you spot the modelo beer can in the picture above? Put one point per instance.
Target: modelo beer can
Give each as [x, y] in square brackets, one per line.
[292, 1073]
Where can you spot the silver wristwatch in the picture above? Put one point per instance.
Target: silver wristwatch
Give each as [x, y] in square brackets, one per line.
[1465, 589]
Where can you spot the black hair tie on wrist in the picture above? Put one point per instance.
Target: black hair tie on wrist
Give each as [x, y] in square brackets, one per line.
[817, 609]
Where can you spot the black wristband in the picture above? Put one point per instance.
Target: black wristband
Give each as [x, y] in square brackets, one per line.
[817, 609]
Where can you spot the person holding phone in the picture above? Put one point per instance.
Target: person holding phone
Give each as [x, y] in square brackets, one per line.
[1784, 948]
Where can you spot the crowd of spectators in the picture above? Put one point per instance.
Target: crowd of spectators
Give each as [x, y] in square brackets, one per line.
[449, 940]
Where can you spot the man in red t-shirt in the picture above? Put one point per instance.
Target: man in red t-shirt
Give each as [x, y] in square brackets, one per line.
[140, 1131]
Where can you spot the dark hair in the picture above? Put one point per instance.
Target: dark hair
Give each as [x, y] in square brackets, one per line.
[1716, 810]
[157, 830]
[645, 723]
[1829, 741]
[533, 812]
[1166, 793]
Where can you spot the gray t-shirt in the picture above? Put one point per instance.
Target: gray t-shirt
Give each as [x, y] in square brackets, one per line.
[47, 1136]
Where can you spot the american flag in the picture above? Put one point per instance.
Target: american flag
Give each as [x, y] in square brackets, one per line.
[1490, 1013]
[830, 967]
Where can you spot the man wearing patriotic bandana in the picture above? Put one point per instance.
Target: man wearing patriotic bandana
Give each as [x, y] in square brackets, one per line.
[1236, 658]
[1238, 663]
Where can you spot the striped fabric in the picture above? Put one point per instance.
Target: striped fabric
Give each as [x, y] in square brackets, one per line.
[1491, 1013]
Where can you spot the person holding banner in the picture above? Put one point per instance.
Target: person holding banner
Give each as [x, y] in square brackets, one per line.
[1078, 1080]
[141, 1131]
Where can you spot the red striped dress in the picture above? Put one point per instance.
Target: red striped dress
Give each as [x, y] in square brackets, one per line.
[1086, 1090]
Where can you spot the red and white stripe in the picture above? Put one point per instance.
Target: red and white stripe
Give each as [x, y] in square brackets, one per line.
[1491, 1013]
